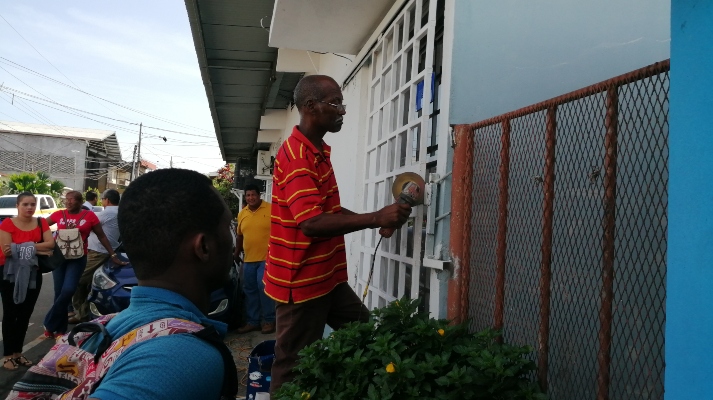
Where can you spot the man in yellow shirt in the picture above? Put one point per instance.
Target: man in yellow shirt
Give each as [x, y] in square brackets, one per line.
[253, 236]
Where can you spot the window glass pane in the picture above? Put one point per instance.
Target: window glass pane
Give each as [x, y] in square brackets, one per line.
[406, 103]
[388, 49]
[416, 143]
[395, 274]
[411, 22]
[422, 45]
[376, 65]
[403, 143]
[409, 65]
[424, 12]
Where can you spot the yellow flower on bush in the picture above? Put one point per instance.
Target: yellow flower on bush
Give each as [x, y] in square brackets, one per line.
[441, 332]
[391, 368]
[305, 396]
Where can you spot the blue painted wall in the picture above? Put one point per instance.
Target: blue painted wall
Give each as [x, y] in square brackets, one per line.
[689, 321]
[508, 54]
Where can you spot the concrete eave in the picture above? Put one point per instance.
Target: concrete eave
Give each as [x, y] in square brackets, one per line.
[329, 26]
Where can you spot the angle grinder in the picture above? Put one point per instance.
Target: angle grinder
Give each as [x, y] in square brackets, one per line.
[408, 188]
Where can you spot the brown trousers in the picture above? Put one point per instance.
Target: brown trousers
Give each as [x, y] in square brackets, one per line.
[299, 325]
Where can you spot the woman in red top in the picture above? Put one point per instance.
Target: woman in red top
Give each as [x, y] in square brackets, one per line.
[16, 317]
[66, 276]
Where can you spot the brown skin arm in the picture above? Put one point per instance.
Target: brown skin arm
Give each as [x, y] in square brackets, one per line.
[5, 241]
[238, 247]
[44, 247]
[47, 244]
[326, 225]
[97, 229]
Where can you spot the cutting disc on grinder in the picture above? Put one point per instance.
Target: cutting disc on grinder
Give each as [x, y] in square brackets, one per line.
[403, 181]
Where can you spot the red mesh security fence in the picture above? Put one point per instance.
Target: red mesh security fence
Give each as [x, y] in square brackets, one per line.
[566, 240]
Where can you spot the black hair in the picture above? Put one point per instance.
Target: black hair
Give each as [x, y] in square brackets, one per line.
[309, 88]
[112, 195]
[159, 210]
[23, 195]
[91, 195]
[75, 193]
[252, 187]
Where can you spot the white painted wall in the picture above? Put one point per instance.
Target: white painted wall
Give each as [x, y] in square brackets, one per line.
[512, 53]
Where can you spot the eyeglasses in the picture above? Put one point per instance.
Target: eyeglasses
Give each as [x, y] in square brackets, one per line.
[339, 107]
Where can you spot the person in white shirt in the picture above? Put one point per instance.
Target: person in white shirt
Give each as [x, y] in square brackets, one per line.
[96, 253]
[91, 200]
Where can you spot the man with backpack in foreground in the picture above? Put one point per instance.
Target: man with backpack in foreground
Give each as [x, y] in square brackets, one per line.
[162, 346]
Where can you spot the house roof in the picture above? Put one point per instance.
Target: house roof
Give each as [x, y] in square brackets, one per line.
[101, 141]
[149, 165]
[238, 69]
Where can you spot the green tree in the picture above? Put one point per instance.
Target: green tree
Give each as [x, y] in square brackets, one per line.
[223, 183]
[34, 182]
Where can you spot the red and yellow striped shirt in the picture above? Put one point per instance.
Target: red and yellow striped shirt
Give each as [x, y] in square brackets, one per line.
[298, 267]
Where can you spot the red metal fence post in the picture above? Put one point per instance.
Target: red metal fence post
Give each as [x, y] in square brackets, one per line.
[546, 265]
[460, 232]
[502, 225]
[609, 224]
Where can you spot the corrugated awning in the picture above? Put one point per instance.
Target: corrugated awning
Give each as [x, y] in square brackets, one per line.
[238, 69]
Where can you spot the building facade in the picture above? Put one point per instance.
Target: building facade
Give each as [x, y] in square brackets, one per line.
[410, 70]
[78, 157]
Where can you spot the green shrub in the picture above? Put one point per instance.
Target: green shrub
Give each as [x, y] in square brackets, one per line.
[402, 354]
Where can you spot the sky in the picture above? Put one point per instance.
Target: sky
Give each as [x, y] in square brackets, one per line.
[137, 56]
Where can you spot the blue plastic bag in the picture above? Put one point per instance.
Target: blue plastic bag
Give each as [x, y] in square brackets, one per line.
[259, 366]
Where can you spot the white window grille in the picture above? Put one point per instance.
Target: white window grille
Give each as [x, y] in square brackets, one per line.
[402, 136]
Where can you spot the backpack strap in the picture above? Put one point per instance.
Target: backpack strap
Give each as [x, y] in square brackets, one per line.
[39, 226]
[230, 375]
[172, 326]
[64, 213]
[85, 330]
[92, 328]
[81, 218]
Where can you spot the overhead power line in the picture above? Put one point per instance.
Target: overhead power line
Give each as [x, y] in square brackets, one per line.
[34, 114]
[168, 121]
[24, 95]
[50, 62]
[75, 114]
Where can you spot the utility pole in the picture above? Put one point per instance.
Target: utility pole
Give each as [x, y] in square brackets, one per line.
[138, 168]
[133, 164]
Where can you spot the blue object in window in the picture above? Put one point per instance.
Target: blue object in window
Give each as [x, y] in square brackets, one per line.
[419, 91]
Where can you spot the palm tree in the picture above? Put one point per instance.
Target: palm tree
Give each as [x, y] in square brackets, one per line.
[38, 183]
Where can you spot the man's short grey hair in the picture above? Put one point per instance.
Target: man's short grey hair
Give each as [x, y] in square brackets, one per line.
[309, 88]
[112, 195]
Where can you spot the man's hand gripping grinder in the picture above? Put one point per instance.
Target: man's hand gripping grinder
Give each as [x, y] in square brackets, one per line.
[408, 188]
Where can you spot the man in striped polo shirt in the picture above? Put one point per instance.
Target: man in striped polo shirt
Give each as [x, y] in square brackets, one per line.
[306, 271]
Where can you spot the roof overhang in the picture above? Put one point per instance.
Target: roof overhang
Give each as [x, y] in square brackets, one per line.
[238, 69]
[236, 66]
[108, 148]
[337, 26]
